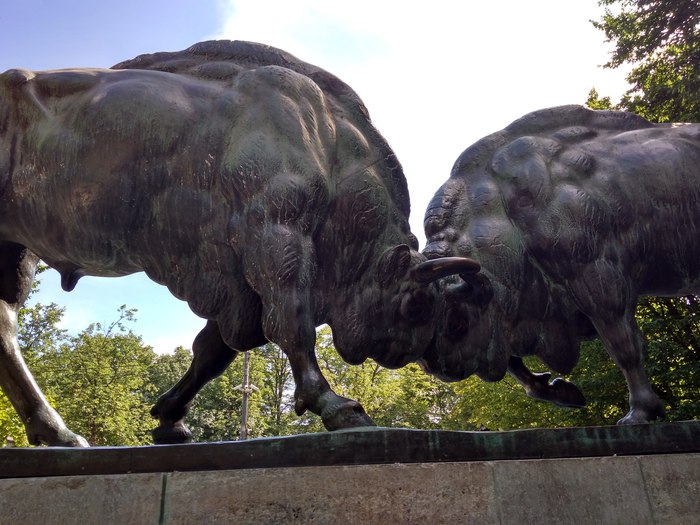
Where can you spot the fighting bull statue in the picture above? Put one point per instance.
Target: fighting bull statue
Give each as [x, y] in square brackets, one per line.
[573, 214]
[251, 184]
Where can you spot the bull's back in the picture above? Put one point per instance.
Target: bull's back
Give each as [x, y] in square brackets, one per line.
[104, 158]
[631, 198]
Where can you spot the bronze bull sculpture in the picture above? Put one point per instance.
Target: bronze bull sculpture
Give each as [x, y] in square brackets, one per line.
[573, 214]
[251, 184]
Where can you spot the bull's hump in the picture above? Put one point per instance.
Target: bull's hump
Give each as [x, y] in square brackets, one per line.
[225, 59]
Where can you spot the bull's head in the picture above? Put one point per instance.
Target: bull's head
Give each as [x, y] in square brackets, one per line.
[393, 320]
[464, 329]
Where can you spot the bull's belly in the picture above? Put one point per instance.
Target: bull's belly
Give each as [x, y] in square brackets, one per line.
[95, 240]
[109, 259]
[74, 254]
[205, 273]
[671, 285]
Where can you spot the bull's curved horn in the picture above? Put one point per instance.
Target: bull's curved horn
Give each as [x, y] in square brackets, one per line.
[433, 270]
[474, 289]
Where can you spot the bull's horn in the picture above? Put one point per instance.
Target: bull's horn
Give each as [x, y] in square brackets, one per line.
[475, 289]
[433, 270]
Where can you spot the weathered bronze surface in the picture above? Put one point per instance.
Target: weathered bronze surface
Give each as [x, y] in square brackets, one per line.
[253, 185]
[573, 214]
[356, 447]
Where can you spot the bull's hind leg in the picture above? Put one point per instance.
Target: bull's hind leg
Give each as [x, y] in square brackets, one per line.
[538, 386]
[211, 358]
[42, 422]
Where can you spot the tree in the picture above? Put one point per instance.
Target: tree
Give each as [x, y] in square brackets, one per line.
[662, 39]
[406, 397]
[11, 428]
[166, 370]
[594, 101]
[98, 382]
[672, 330]
[275, 400]
[38, 329]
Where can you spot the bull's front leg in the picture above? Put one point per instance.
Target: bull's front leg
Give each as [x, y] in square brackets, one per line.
[624, 342]
[315, 394]
[559, 391]
[283, 277]
[603, 292]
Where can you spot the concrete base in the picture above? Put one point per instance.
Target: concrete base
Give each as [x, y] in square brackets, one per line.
[644, 475]
[661, 489]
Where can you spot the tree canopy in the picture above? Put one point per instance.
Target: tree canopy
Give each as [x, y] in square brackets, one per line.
[661, 39]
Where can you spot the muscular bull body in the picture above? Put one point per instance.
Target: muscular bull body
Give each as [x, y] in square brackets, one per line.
[251, 184]
[573, 215]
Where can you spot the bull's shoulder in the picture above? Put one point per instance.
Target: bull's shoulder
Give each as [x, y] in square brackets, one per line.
[549, 120]
[566, 125]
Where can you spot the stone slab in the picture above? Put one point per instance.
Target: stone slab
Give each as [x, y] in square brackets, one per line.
[84, 500]
[673, 487]
[356, 447]
[579, 491]
[652, 489]
[381, 494]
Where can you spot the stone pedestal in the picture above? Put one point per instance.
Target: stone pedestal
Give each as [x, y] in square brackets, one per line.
[380, 476]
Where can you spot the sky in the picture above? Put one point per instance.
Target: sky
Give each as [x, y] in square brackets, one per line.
[436, 77]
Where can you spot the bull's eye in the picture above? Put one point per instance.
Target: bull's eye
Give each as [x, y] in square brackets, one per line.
[417, 306]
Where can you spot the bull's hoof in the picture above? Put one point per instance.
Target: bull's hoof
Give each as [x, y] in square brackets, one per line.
[348, 414]
[71, 439]
[559, 392]
[566, 394]
[60, 438]
[173, 434]
[45, 427]
[638, 416]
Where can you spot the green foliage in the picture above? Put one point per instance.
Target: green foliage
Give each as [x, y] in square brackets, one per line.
[166, 370]
[673, 352]
[104, 380]
[662, 39]
[38, 329]
[274, 402]
[215, 413]
[596, 102]
[98, 382]
[406, 397]
[10, 425]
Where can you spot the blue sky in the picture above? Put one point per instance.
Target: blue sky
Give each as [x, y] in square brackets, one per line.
[435, 77]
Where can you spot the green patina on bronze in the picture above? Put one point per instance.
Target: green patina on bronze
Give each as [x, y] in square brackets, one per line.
[357, 447]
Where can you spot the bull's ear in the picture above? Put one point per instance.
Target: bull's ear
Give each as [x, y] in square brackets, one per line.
[393, 264]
